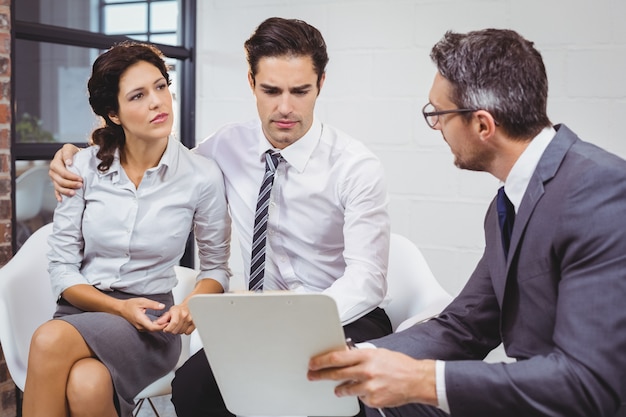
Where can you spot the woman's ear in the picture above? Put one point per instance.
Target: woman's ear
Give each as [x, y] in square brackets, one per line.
[114, 118]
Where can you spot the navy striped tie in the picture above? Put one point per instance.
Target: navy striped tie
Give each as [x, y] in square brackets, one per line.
[257, 263]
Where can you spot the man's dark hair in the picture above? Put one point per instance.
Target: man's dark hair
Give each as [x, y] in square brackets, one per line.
[277, 37]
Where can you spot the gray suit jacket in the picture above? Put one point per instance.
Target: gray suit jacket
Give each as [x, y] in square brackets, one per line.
[557, 304]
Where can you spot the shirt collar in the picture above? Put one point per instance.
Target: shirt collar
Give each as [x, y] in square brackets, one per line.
[167, 160]
[298, 153]
[518, 179]
[114, 169]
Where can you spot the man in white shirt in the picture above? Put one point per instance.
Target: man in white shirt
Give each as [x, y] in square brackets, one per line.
[551, 283]
[328, 226]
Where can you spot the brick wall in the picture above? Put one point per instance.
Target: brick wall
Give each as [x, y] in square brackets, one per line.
[7, 388]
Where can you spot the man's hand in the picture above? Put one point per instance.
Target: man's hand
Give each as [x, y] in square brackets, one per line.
[379, 377]
[64, 181]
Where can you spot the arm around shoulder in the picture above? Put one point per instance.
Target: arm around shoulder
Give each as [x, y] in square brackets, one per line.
[64, 181]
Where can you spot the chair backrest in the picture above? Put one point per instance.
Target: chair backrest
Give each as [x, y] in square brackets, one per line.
[26, 301]
[29, 192]
[413, 289]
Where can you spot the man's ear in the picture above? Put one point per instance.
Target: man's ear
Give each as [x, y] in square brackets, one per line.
[321, 83]
[486, 124]
[251, 80]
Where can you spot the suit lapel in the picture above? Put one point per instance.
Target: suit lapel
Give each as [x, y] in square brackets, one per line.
[546, 169]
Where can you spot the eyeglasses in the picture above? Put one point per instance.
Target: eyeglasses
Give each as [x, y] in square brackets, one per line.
[432, 116]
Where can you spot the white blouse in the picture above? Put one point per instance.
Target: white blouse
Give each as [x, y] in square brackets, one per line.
[113, 235]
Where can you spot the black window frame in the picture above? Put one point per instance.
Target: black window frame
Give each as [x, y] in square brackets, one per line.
[104, 4]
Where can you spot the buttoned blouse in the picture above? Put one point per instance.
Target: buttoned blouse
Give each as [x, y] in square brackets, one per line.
[115, 236]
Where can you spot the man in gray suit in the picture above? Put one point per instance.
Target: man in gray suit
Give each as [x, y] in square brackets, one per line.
[554, 298]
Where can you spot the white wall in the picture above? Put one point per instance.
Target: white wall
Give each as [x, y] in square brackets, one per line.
[378, 80]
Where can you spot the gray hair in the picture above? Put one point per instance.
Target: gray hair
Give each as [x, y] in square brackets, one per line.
[499, 71]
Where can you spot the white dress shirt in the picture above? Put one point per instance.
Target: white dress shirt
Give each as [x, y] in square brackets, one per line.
[328, 226]
[515, 187]
[115, 236]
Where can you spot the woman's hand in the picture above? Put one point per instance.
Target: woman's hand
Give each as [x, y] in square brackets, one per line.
[177, 320]
[134, 310]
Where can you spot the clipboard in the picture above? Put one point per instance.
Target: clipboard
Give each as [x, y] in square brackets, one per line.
[259, 346]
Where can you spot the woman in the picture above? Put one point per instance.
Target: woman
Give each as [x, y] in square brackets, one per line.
[115, 244]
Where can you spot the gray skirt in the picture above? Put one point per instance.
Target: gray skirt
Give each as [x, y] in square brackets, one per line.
[134, 359]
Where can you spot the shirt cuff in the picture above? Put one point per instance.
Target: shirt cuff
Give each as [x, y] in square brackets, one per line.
[365, 345]
[218, 275]
[440, 386]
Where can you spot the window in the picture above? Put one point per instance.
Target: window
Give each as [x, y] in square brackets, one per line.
[154, 21]
[56, 43]
[54, 47]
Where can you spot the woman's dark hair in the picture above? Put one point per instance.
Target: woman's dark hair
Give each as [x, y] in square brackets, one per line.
[103, 87]
[286, 37]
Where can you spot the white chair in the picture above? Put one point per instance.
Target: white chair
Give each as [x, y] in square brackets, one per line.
[29, 192]
[416, 295]
[414, 292]
[26, 301]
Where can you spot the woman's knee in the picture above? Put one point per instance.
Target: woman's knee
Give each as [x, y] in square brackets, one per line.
[55, 347]
[52, 338]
